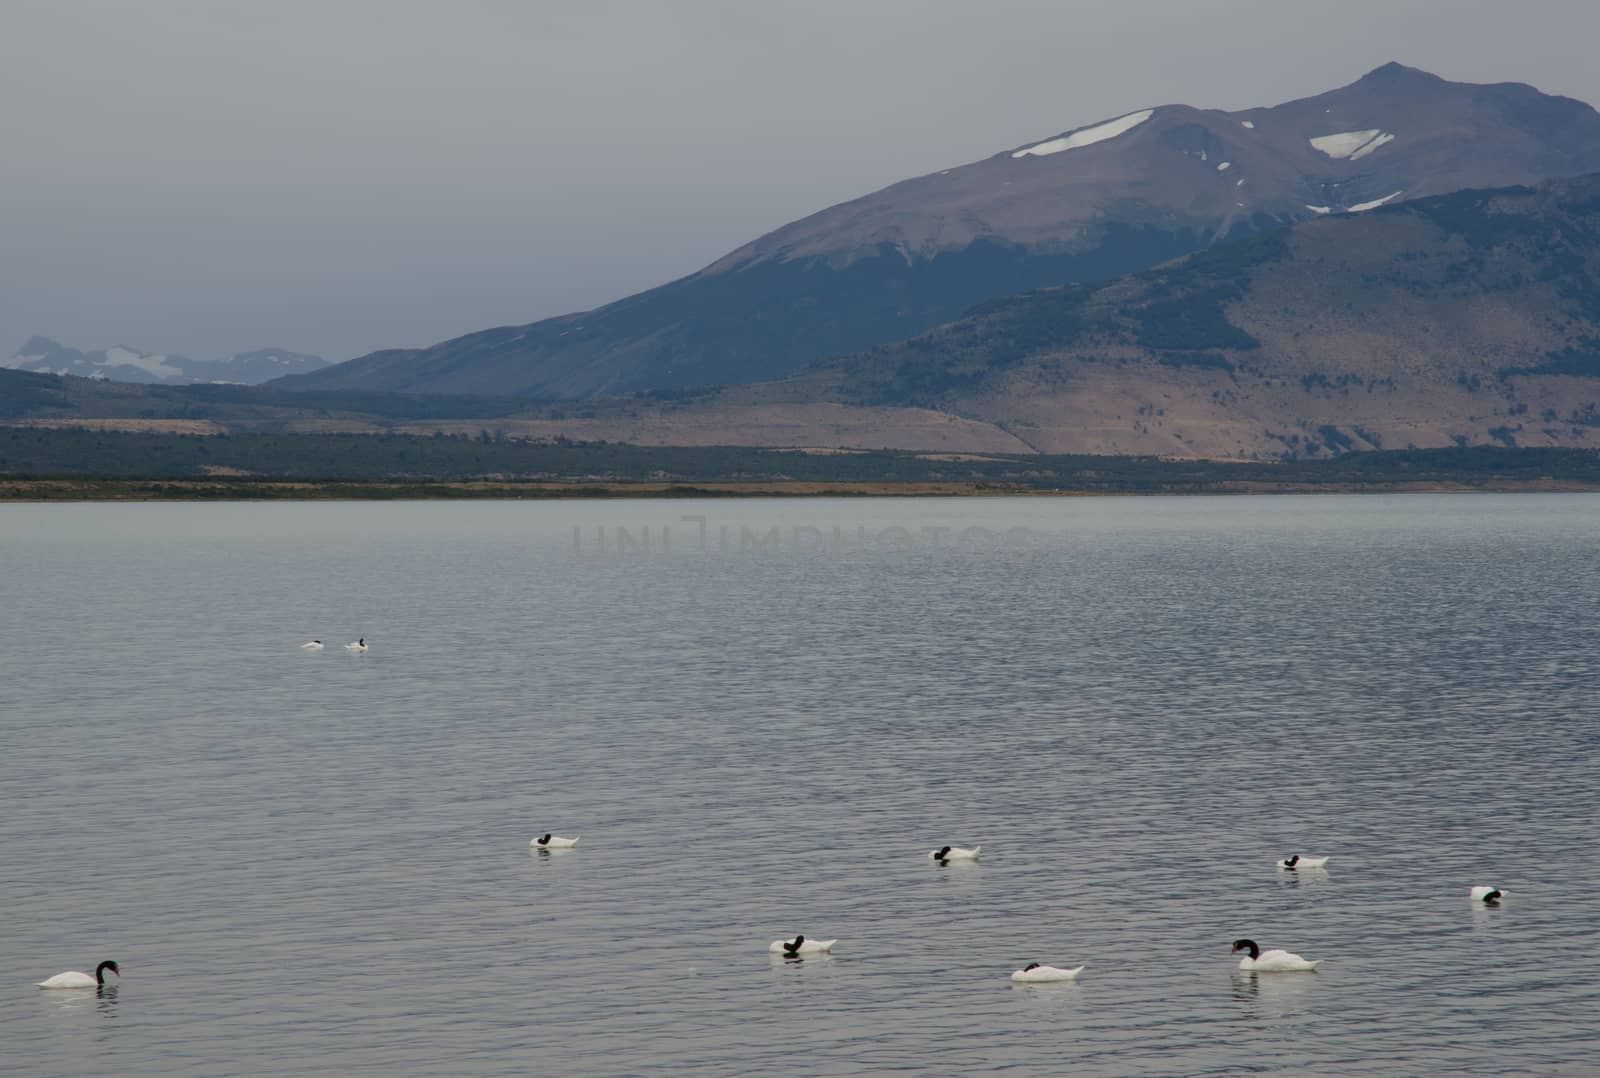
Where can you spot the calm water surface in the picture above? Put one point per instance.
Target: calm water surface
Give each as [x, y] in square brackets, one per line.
[318, 863]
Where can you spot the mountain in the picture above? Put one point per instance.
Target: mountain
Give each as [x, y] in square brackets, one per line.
[1090, 204]
[1469, 318]
[1464, 319]
[123, 364]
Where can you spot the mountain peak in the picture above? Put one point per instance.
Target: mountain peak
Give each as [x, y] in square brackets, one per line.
[1393, 72]
[38, 346]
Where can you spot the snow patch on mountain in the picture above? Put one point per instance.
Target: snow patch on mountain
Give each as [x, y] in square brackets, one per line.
[1319, 210]
[1373, 145]
[155, 365]
[1350, 145]
[1247, 123]
[1087, 136]
[1362, 207]
[1225, 166]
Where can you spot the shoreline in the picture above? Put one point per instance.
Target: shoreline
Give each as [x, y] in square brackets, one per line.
[86, 489]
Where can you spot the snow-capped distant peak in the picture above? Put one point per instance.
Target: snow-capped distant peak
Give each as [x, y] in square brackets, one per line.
[1350, 145]
[120, 363]
[119, 355]
[1362, 207]
[1087, 136]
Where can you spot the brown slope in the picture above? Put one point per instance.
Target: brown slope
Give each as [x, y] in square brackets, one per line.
[1472, 318]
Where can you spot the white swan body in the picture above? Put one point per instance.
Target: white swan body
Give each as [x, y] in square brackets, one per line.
[1034, 973]
[313, 645]
[1278, 962]
[1259, 961]
[553, 842]
[74, 979]
[1488, 896]
[954, 853]
[805, 946]
[359, 645]
[1295, 861]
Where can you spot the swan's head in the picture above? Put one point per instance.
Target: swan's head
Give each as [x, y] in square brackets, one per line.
[1492, 898]
[362, 641]
[1290, 862]
[1247, 945]
[944, 851]
[793, 946]
[544, 840]
[100, 970]
[1030, 965]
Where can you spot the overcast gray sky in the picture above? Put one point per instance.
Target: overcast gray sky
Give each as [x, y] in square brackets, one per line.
[333, 176]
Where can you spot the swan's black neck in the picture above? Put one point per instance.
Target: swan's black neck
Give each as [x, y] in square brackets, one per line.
[1290, 862]
[1247, 945]
[1492, 898]
[544, 840]
[1030, 965]
[100, 972]
[944, 851]
[793, 947]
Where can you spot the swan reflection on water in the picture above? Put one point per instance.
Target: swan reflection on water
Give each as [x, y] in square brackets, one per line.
[1305, 877]
[104, 1000]
[1048, 997]
[1269, 987]
[545, 853]
[816, 960]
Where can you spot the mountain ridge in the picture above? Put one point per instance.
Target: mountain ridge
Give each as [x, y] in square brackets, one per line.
[120, 363]
[1471, 318]
[917, 253]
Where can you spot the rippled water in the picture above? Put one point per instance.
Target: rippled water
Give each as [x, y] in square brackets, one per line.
[318, 863]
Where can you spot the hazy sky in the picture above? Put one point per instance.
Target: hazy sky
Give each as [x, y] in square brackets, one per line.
[335, 176]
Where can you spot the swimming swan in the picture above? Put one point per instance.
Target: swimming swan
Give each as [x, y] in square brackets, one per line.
[800, 945]
[359, 645]
[1295, 861]
[1259, 961]
[954, 853]
[553, 842]
[71, 979]
[314, 645]
[1034, 973]
[1488, 896]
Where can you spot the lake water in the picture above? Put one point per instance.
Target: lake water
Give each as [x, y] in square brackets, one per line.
[317, 864]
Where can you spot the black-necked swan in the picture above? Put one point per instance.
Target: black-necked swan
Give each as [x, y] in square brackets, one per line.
[1259, 961]
[312, 645]
[359, 645]
[1488, 896]
[553, 842]
[800, 945]
[954, 853]
[73, 979]
[1295, 861]
[1034, 973]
